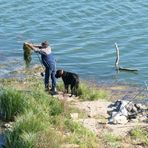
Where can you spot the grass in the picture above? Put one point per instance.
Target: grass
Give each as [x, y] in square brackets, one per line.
[12, 103]
[140, 135]
[39, 118]
[91, 93]
[48, 139]
[88, 92]
[112, 140]
[77, 130]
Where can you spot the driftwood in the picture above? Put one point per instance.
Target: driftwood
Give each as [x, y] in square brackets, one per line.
[117, 62]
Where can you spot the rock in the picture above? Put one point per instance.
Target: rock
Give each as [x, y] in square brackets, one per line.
[8, 125]
[74, 116]
[70, 146]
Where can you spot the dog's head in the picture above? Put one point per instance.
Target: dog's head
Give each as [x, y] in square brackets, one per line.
[59, 73]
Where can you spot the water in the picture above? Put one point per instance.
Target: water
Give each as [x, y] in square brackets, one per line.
[82, 34]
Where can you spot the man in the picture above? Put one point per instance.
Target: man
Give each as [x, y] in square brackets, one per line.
[49, 62]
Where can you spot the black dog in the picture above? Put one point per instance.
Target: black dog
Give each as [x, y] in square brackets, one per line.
[69, 79]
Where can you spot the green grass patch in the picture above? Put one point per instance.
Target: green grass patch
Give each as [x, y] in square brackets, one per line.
[12, 103]
[39, 118]
[91, 93]
[87, 91]
[49, 139]
[79, 134]
[56, 107]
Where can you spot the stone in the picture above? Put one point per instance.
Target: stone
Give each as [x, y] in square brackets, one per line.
[74, 116]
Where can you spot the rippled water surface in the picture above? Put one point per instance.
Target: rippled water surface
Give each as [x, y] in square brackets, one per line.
[82, 34]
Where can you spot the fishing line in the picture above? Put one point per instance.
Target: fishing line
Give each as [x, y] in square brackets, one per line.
[42, 73]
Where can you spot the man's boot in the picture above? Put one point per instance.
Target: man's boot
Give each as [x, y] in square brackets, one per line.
[54, 91]
[47, 87]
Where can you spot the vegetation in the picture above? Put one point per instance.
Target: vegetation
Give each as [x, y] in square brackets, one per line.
[140, 135]
[88, 92]
[38, 118]
[12, 103]
[112, 140]
[41, 120]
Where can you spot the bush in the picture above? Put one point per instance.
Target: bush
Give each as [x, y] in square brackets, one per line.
[12, 103]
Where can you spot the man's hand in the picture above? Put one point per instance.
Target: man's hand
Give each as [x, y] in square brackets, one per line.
[29, 45]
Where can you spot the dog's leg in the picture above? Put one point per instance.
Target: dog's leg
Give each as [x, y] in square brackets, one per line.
[76, 88]
[65, 89]
[72, 90]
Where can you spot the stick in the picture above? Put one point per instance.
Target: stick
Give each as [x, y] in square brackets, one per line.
[117, 62]
[117, 57]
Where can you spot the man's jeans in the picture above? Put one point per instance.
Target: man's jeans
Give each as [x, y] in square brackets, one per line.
[50, 72]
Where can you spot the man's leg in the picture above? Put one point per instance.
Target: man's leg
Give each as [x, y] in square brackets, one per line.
[53, 79]
[46, 80]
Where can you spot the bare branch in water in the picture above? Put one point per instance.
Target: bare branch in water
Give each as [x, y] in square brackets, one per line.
[117, 62]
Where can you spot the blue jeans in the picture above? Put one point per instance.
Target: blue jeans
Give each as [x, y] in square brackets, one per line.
[50, 69]
[50, 72]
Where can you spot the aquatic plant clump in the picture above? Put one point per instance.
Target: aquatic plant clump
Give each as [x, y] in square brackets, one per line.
[27, 54]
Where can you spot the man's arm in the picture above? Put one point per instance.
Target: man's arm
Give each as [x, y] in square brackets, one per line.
[36, 48]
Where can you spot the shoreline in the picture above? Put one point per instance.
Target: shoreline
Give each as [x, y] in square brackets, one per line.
[22, 73]
[121, 90]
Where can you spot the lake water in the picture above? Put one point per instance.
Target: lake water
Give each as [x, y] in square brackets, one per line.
[81, 33]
